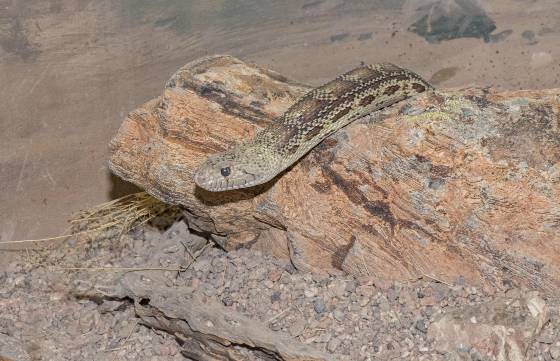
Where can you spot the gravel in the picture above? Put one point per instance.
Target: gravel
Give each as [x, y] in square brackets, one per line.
[337, 314]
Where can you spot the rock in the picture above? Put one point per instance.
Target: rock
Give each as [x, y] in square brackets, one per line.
[420, 325]
[500, 330]
[529, 37]
[452, 19]
[297, 327]
[310, 292]
[337, 288]
[178, 230]
[333, 344]
[467, 188]
[111, 306]
[338, 315]
[276, 296]
[501, 36]
[319, 305]
[274, 275]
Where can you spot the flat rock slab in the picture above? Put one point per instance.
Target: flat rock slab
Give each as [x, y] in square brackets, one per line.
[459, 185]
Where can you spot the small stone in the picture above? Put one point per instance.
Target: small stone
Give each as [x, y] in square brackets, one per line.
[421, 326]
[111, 306]
[467, 112]
[251, 263]
[350, 286]
[363, 301]
[320, 278]
[297, 327]
[319, 305]
[365, 290]
[365, 281]
[274, 275]
[87, 322]
[290, 268]
[227, 301]
[310, 292]
[202, 265]
[178, 230]
[19, 280]
[218, 265]
[275, 297]
[324, 338]
[338, 315]
[171, 249]
[337, 288]
[333, 344]
[529, 36]
[209, 291]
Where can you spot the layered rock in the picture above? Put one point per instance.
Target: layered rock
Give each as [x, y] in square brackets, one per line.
[453, 185]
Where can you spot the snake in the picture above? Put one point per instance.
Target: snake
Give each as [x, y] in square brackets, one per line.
[314, 117]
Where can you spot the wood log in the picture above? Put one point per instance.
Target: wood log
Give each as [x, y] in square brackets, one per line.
[456, 185]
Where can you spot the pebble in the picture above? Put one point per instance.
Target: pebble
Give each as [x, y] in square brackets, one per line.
[319, 305]
[338, 315]
[421, 326]
[337, 288]
[310, 292]
[227, 301]
[363, 301]
[274, 275]
[333, 344]
[297, 327]
[327, 311]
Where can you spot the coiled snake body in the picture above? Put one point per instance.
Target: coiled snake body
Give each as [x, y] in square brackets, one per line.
[319, 113]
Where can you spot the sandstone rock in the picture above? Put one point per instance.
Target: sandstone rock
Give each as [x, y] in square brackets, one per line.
[461, 184]
[497, 331]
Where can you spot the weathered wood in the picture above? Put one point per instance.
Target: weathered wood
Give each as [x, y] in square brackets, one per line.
[206, 329]
[456, 184]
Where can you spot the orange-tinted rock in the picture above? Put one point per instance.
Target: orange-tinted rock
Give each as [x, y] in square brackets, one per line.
[455, 184]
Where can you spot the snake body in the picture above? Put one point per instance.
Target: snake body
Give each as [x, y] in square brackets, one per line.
[319, 113]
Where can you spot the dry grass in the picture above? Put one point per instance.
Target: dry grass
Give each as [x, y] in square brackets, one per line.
[109, 220]
[118, 216]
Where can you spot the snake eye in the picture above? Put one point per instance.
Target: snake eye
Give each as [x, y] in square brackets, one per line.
[225, 171]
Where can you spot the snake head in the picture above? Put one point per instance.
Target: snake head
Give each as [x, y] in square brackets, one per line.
[242, 166]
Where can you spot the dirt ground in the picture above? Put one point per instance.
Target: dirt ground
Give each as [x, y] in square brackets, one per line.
[65, 305]
[71, 70]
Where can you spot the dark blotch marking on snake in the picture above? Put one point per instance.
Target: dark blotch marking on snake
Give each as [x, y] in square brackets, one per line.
[392, 89]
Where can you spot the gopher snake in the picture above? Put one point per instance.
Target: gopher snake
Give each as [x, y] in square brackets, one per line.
[314, 117]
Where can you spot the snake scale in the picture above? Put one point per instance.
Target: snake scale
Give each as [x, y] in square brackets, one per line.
[316, 115]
